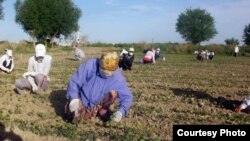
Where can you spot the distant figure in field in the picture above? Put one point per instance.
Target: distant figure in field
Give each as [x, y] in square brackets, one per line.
[7, 62]
[126, 62]
[78, 53]
[245, 105]
[211, 55]
[236, 50]
[207, 53]
[201, 55]
[149, 57]
[36, 79]
[158, 55]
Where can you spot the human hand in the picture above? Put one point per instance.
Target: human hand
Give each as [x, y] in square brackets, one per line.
[117, 116]
[102, 111]
[34, 88]
[26, 74]
[74, 105]
[237, 109]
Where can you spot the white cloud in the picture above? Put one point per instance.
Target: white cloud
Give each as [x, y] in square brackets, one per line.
[142, 8]
[111, 2]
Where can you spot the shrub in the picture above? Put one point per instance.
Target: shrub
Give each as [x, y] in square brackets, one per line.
[218, 49]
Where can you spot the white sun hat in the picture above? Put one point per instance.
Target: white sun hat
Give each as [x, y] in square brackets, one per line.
[9, 52]
[132, 49]
[40, 50]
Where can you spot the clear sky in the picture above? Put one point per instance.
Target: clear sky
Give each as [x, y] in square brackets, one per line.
[126, 21]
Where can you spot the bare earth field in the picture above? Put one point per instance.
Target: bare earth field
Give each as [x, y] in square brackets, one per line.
[180, 90]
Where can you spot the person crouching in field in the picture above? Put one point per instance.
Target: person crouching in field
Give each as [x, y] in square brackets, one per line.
[94, 88]
[149, 57]
[126, 62]
[201, 55]
[158, 55]
[245, 105]
[7, 61]
[78, 53]
[211, 55]
[36, 79]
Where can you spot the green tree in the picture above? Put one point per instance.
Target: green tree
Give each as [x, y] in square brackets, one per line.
[232, 41]
[196, 25]
[47, 18]
[246, 34]
[1, 10]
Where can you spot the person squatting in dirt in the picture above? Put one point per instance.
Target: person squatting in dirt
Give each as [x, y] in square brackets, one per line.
[149, 57]
[204, 55]
[126, 62]
[158, 55]
[7, 61]
[78, 53]
[36, 79]
[95, 87]
[201, 55]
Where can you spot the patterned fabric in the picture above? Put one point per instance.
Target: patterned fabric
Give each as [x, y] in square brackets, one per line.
[109, 61]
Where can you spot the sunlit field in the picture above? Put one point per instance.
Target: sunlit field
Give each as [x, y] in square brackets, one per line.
[180, 90]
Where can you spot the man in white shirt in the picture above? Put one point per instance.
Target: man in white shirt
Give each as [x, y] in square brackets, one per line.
[7, 62]
[236, 50]
[36, 79]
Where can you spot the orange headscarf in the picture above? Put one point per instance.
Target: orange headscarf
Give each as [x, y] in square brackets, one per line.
[109, 61]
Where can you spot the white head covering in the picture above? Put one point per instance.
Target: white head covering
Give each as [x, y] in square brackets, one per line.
[132, 49]
[40, 50]
[9, 53]
[123, 52]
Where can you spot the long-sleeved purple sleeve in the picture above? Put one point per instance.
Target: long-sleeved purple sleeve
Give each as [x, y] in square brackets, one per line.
[78, 80]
